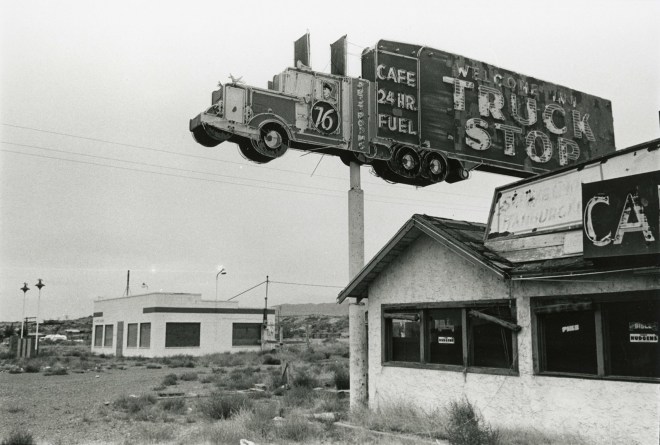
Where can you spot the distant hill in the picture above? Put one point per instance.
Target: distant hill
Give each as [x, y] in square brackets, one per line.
[328, 309]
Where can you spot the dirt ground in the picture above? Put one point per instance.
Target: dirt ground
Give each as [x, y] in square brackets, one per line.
[69, 409]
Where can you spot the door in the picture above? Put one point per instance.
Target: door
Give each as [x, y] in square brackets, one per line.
[120, 338]
[234, 104]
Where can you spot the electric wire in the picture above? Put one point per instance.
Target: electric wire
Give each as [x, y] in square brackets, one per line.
[384, 199]
[251, 165]
[247, 290]
[307, 284]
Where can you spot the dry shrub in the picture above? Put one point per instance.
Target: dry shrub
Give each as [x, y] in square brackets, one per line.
[268, 359]
[303, 378]
[224, 405]
[188, 376]
[156, 433]
[174, 405]
[342, 378]
[56, 371]
[297, 428]
[401, 416]
[170, 379]
[19, 437]
[134, 405]
[466, 426]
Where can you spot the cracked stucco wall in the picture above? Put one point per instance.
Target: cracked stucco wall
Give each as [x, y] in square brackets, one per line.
[601, 412]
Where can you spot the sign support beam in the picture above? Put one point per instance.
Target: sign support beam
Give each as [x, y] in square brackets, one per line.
[357, 310]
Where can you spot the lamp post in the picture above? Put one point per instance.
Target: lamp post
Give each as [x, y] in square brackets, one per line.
[221, 271]
[36, 335]
[24, 289]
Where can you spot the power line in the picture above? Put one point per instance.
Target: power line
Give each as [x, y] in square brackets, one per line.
[247, 290]
[384, 200]
[251, 165]
[307, 284]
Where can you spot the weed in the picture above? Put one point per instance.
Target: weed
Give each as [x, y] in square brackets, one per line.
[56, 371]
[133, 404]
[299, 397]
[174, 405]
[19, 438]
[401, 416]
[188, 376]
[224, 405]
[270, 360]
[465, 426]
[208, 379]
[303, 379]
[153, 366]
[170, 379]
[15, 409]
[297, 428]
[156, 433]
[342, 378]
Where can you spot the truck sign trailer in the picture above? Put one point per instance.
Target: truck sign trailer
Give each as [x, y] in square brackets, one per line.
[417, 115]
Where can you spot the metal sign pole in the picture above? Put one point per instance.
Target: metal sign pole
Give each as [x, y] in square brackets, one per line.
[356, 310]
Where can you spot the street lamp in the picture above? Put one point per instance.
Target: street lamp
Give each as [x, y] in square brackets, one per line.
[221, 271]
[36, 336]
[24, 289]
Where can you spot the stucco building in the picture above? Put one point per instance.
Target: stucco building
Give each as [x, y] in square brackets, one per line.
[161, 324]
[541, 318]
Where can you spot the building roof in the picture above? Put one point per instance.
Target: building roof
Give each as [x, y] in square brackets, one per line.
[467, 240]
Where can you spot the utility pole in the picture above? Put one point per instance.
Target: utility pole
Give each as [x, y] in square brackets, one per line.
[356, 310]
[25, 288]
[36, 336]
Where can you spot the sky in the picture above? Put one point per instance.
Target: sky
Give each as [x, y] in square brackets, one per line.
[100, 175]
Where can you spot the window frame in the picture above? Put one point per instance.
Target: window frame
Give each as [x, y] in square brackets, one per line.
[106, 328]
[464, 306]
[141, 336]
[98, 339]
[199, 334]
[128, 335]
[596, 303]
[257, 342]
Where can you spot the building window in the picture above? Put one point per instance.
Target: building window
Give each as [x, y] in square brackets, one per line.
[132, 335]
[605, 336]
[98, 335]
[457, 336]
[179, 335]
[145, 335]
[107, 338]
[246, 334]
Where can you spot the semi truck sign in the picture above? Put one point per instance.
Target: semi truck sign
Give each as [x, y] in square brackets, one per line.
[417, 115]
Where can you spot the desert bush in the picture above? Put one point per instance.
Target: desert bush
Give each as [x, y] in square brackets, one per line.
[342, 378]
[32, 367]
[239, 379]
[153, 366]
[299, 397]
[401, 416]
[19, 438]
[465, 426]
[226, 359]
[297, 428]
[133, 404]
[268, 359]
[303, 379]
[224, 405]
[174, 405]
[188, 376]
[155, 433]
[56, 371]
[170, 379]
[313, 356]
[208, 379]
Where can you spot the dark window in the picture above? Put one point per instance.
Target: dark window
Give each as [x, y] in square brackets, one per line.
[452, 336]
[491, 344]
[569, 343]
[246, 334]
[179, 335]
[131, 335]
[145, 335]
[445, 336]
[98, 335]
[600, 335]
[404, 339]
[632, 331]
[107, 339]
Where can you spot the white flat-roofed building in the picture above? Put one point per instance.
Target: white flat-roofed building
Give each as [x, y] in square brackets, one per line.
[159, 324]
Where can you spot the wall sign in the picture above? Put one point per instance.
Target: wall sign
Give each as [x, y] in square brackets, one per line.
[621, 217]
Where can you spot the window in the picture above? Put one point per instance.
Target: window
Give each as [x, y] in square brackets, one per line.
[605, 336]
[107, 339]
[98, 335]
[246, 334]
[131, 336]
[145, 335]
[178, 335]
[470, 335]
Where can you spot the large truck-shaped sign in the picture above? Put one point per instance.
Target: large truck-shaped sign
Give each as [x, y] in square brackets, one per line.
[417, 115]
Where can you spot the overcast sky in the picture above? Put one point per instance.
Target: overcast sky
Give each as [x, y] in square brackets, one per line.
[99, 173]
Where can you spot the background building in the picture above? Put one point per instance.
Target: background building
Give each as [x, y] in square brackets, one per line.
[526, 317]
[161, 324]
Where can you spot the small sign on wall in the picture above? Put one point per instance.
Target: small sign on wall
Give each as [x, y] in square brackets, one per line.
[643, 338]
[571, 328]
[446, 340]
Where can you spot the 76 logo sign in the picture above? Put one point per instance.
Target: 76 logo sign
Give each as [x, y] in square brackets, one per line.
[325, 118]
